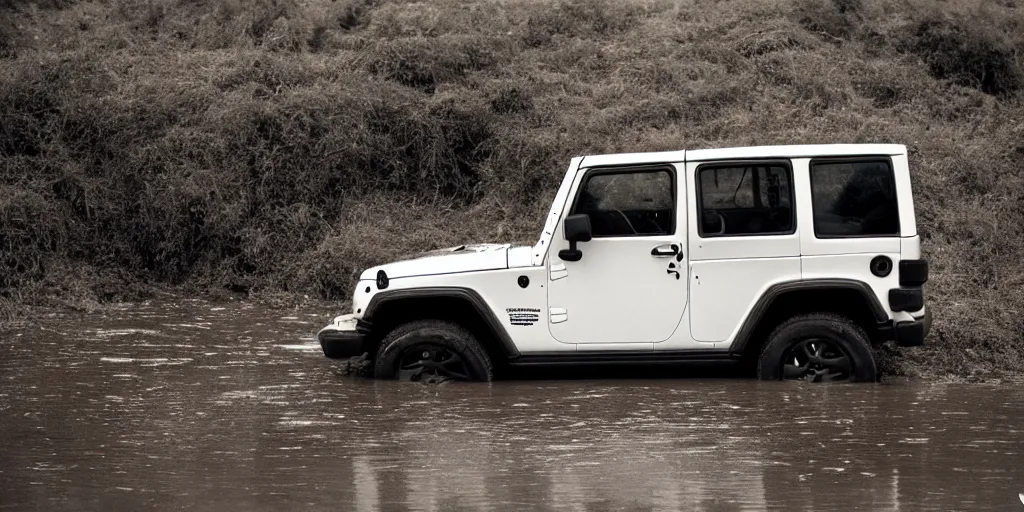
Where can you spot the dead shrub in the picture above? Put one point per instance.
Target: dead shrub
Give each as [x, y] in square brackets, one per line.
[32, 231]
[270, 73]
[835, 21]
[424, 63]
[263, 15]
[353, 14]
[762, 43]
[887, 86]
[729, 60]
[708, 103]
[659, 113]
[9, 36]
[38, 4]
[777, 70]
[881, 95]
[275, 25]
[511, 100]
[28, 118]
[528, 167]
[971, 56]
[435, 152]
[578, 18]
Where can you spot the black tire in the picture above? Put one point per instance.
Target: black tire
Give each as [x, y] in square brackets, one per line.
[454, 353]
[818, 347]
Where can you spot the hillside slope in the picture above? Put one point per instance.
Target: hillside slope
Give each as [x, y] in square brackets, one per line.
[282, 145]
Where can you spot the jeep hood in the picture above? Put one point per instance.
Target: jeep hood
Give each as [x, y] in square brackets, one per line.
[462, 258]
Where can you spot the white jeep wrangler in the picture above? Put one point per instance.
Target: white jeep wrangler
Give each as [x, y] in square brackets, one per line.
[796, 258]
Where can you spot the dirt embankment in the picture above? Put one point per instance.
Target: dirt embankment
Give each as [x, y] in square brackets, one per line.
[281, 146]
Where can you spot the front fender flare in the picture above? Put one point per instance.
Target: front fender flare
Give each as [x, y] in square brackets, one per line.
[504, 341]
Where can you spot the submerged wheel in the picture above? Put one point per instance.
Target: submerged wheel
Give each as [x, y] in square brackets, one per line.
[818, 347]
[432, 350]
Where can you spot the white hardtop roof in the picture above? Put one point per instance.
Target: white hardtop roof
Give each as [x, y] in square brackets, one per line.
[633, 158]
[792, 151]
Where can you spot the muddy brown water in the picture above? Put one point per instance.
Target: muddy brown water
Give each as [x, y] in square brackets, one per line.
[202, 406]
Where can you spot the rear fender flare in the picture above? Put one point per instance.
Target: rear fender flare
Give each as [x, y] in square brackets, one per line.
[774, 292]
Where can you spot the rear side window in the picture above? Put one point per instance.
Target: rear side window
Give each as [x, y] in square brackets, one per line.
[628, 203]
[854, 198]
[745, 199]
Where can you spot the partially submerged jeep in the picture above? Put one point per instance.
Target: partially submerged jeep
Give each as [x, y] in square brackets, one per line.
[796, 259]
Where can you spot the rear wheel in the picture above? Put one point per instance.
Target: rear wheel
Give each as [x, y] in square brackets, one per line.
[818, 347]
[430, 351]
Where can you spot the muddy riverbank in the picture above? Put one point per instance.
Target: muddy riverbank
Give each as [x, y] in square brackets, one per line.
[214, 406]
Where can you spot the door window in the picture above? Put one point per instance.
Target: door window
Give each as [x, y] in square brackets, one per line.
[628, 203]
[737, 199]
[854, 198]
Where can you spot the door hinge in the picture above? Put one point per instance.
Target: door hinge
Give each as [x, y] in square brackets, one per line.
[558, 315]
[558, 271]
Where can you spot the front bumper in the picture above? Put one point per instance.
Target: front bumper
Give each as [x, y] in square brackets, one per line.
[913, 333]
[342, 338]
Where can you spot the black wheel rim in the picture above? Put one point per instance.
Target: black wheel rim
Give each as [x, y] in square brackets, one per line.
[429, 362]
[816, 360]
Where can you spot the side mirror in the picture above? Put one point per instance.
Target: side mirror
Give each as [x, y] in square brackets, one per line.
[576, 229]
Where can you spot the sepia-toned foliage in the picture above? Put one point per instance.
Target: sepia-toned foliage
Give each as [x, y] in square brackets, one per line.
[283, 145]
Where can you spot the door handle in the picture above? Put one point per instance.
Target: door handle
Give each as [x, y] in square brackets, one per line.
[665, 250]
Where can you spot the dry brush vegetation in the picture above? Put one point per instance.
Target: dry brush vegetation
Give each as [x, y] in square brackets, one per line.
[282, 145]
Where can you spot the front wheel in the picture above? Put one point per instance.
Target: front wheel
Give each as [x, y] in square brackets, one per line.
[432, 350]
[818, 347]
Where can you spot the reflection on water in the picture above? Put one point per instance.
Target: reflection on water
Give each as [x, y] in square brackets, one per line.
[228, 407]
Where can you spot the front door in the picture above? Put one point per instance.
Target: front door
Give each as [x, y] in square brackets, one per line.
[630, 284]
